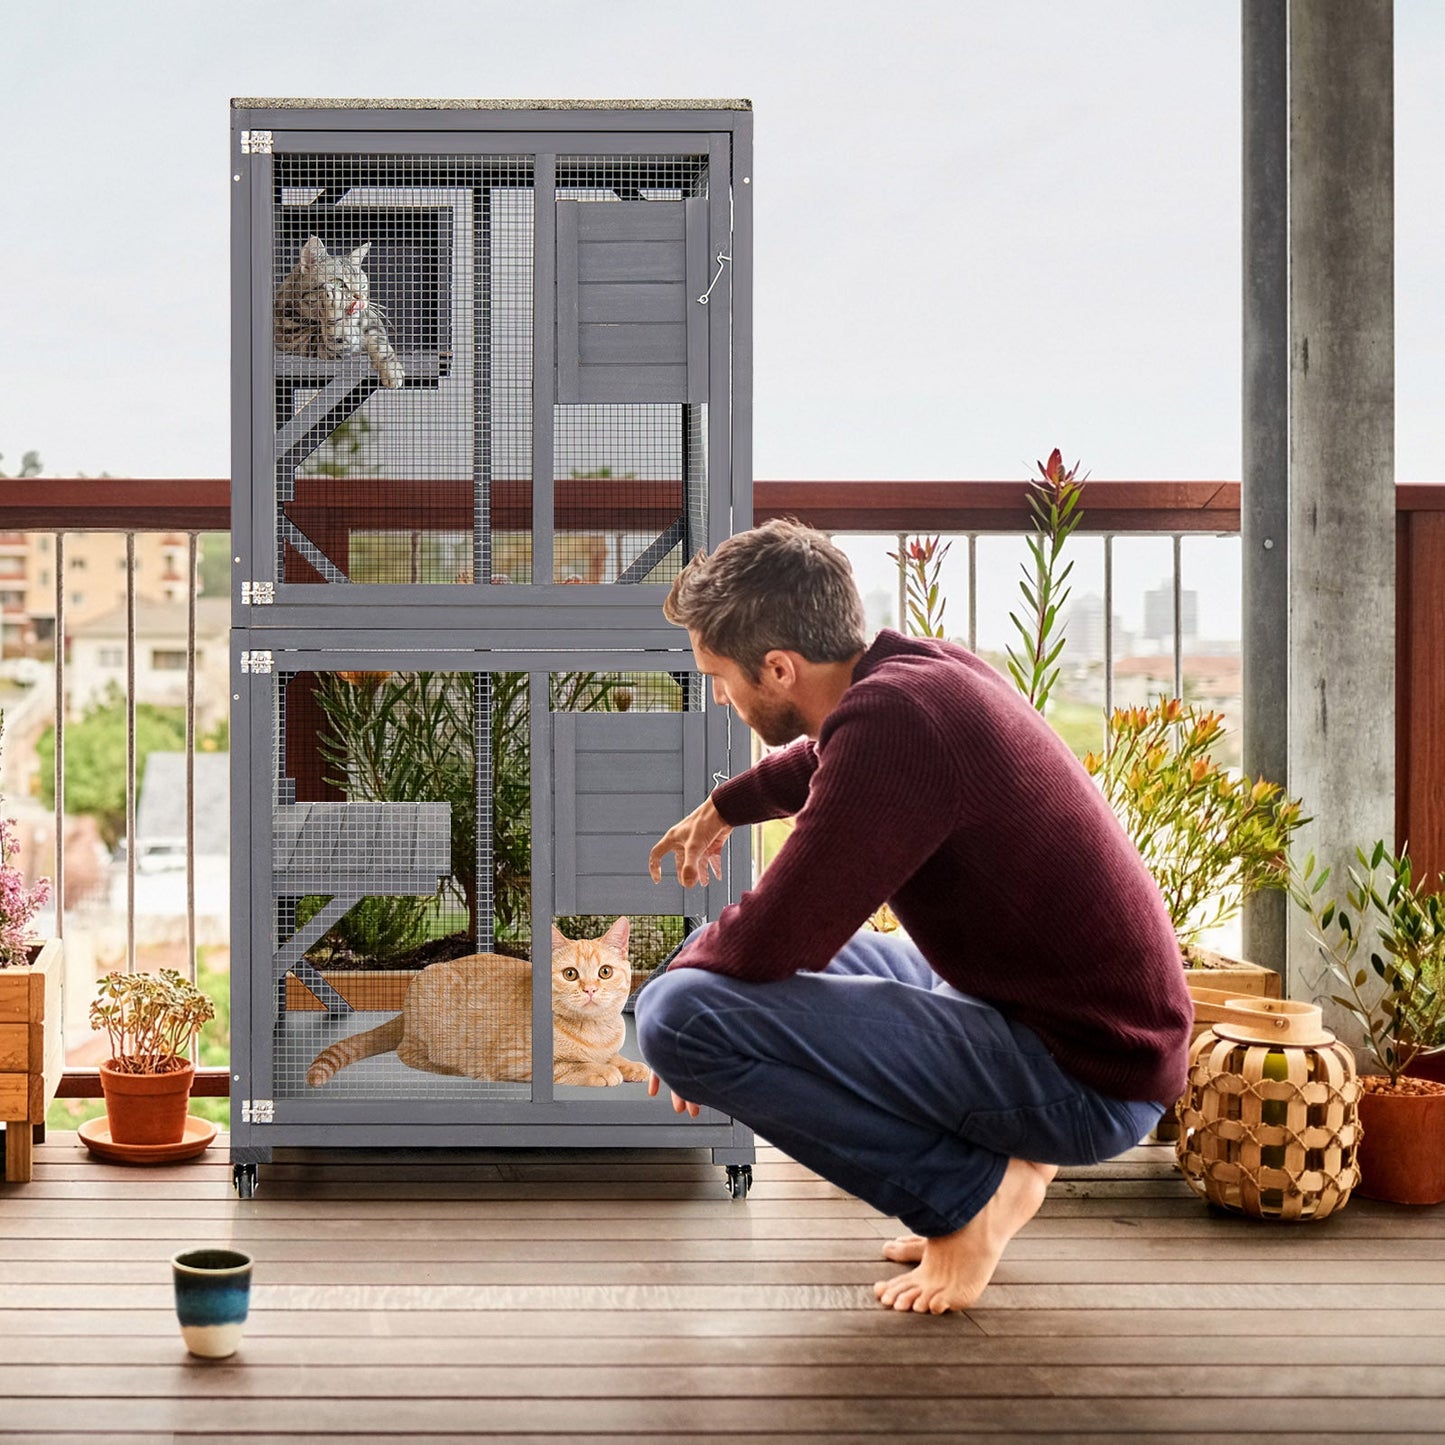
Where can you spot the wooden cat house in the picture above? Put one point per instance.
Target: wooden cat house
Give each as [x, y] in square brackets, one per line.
[459, 719]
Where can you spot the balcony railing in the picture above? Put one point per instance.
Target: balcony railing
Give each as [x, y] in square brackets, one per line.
[969, 511]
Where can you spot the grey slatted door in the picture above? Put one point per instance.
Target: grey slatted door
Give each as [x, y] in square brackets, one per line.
[630, 327]
[620, 782]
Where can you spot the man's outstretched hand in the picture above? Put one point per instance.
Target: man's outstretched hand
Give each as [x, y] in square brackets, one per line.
[679, 1104]
[697, 842]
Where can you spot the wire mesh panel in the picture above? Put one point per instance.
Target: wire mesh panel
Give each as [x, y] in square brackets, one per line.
[402, 319]
[401, 874]
[618, 772]
[630, 478]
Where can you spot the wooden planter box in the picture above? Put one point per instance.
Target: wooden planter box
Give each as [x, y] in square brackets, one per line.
[32, 1051]
[1209, 987]
[1231, 977]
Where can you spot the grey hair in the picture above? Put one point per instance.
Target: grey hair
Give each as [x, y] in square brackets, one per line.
[779, 585]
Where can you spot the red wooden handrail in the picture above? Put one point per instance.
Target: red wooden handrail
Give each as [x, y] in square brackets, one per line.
[150, 504]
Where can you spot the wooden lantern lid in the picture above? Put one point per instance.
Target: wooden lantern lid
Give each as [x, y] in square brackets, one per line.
[1282, 1021]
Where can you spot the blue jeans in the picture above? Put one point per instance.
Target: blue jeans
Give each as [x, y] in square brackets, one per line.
[881, 1078]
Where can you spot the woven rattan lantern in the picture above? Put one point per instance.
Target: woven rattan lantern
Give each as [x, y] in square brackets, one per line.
[1269, 1123]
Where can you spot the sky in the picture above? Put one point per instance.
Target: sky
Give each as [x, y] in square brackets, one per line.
[982, 230]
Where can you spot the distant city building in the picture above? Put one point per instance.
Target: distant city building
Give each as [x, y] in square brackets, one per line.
[98, 656]
[880, 609]
[95, 581]
[160, 823]
[1214, 681]
[1084, 629]
[1159, 614]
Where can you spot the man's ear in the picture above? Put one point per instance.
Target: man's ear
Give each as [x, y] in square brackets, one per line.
[780, 667]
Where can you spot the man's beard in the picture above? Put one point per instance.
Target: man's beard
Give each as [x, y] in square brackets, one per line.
[780, 724]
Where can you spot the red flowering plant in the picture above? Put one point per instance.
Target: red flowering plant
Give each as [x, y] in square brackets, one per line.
[19, 900]
[1209, 838]
[922, 564]
[1054, 505]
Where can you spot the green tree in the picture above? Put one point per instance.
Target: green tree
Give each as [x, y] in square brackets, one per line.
[213, 564]
[95, 757]
[30, 466]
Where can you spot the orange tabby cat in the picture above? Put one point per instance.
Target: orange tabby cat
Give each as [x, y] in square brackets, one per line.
[473, 1016]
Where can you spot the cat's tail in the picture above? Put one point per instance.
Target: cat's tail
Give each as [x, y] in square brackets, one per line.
[359, 1046]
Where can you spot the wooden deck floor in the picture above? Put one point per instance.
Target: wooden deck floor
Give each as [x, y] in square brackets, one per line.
[574, 1297]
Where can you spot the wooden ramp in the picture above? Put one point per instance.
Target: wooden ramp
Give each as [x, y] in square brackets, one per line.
[530, 1297]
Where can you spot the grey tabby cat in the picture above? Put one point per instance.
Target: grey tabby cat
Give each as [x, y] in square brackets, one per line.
[322, 310]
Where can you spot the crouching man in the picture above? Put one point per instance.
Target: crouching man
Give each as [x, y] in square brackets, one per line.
[1034, 1015]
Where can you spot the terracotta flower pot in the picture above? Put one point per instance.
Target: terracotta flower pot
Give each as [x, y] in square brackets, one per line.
[1402, 1147]
[147, 1108]
[1429, 1064]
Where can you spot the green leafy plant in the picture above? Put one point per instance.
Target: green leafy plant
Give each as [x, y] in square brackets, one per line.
[1054, 505]
[95, 756]
[1210, 838]
[410, 737]
[1398, 999]
[151, 1019]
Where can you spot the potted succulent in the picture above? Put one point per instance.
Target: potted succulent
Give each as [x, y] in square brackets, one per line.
[152, 1019]
[32, 976]
[1398, 999]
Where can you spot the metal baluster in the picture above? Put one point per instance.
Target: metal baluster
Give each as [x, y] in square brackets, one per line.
[59, 894]
[130, 845]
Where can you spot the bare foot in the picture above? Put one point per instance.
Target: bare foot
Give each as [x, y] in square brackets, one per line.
[954, 1269]
[908, 1248]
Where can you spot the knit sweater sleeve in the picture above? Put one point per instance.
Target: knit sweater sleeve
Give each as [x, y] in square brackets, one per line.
[882, 800]
[776, 786]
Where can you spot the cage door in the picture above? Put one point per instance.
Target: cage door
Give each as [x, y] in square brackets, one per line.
[621, 781]
[630, 327]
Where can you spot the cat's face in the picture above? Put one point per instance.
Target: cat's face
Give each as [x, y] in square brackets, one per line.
[332, 286]
[591, 977]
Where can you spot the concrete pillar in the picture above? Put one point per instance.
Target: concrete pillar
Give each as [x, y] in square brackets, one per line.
[1341, 511]
[1264, 509]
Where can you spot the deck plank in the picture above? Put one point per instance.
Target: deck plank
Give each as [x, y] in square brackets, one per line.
[561, 1296]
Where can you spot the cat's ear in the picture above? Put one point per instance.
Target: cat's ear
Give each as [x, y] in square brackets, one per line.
[617, 936]
[359, 254]
[313, 253]
[559, 939]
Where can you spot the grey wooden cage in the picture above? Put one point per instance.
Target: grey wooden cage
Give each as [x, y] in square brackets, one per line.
[458, 715]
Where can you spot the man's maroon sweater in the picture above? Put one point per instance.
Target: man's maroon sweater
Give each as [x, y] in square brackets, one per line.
[936, 787]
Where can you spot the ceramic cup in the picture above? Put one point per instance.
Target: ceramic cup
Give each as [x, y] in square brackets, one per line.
[213, 1294]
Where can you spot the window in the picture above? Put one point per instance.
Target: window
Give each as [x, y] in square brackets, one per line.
[77, 564]
[45, 576]
[167, 659]
[110, 656]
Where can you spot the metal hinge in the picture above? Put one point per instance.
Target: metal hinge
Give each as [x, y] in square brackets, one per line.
[256, 661]
[255, 142]
[258, 594]
[258, 1111]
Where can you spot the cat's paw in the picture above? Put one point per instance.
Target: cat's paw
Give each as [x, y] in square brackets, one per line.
[634, 1072]
[392, 373]
[601, 1078]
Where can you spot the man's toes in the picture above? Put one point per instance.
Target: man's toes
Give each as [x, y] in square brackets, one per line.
[888, 1290]
[905, 1249]
[906, 1300]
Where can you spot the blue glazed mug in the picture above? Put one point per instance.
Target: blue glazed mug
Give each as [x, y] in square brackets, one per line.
[213, 1295]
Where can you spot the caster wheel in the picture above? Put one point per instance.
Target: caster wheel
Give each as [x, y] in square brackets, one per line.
[740, 1180]
[243, 1180]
